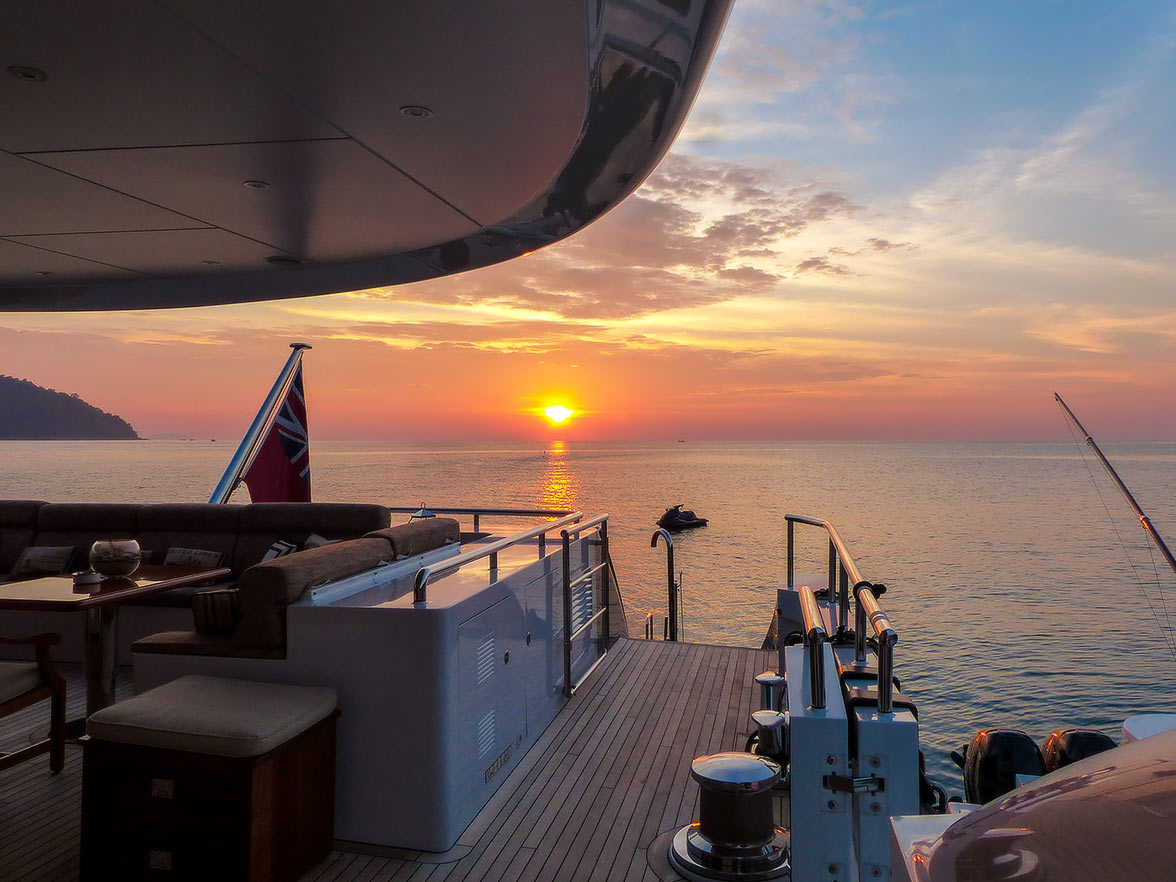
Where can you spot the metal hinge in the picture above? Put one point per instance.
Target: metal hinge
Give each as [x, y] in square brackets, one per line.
[846, 784]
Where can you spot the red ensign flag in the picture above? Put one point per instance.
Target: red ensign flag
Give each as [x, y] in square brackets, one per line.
[281, 470]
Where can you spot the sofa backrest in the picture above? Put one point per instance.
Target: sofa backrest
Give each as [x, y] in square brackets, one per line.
[267, 588]
[263, 523]
[18, 527]
[189, 525]
[81, 524]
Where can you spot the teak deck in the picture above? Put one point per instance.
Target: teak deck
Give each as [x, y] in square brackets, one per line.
[607, 778]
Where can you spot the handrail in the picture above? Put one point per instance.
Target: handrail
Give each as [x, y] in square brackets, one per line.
[814, 639]
[868, 608]
[586, 525]
[835, 539]
[421, 581]
[672, 586]
[842, 572]
[478, 512]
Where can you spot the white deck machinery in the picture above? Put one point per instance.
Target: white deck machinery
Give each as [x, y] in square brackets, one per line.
[844, 743]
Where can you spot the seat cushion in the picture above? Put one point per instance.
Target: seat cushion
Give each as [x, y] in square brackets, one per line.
[195, 643]
[17, 678]
[214, 715]
[417, 537]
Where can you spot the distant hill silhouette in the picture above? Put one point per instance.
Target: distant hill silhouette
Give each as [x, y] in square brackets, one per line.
[29, 412]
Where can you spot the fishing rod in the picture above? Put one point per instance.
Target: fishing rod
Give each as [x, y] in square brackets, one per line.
[1144, 520]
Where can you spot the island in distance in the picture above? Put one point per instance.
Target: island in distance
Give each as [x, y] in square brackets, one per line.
[29, 412]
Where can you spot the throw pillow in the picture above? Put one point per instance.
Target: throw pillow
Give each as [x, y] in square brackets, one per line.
[216, 611]
[192, 557]
[314, 540]
[280, 548]
[42, 560]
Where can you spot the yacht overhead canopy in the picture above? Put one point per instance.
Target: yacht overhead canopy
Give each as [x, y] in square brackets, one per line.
[192, 152]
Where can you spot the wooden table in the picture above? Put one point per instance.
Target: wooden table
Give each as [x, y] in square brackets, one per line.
[100, 603]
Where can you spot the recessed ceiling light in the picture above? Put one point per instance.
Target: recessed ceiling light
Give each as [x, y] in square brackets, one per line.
[211, 262]
[44, 273]
[283, 260]
[257, 185]
[416, 111]
[28, 74]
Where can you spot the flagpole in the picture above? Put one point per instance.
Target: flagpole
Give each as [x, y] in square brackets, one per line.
[248, 446]
[1144, 520]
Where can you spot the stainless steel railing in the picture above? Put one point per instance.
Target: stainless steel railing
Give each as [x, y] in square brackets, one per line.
[844, 573]
[479, 513]
[814, 640]
[421, 582]
[867, 608]
[600, 524]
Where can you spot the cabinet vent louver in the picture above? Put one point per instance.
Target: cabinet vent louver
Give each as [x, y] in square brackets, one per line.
[485, 659]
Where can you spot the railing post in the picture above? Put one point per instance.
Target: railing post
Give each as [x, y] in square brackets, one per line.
[542, 544]
[859, 624]
[567, 612]
[791, 548]
[476, 522]
[814, 640]
[842, 599]
[832, 579]
[604, 580]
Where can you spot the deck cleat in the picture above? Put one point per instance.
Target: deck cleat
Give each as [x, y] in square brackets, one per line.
[735, 836]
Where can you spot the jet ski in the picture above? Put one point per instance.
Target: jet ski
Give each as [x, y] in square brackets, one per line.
[678, 519]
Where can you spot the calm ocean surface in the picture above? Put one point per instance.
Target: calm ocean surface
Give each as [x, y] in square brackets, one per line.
[1012, 595]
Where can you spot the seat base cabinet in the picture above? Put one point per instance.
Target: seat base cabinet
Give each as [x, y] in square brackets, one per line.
[159, 814]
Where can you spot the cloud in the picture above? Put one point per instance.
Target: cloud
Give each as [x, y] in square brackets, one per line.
[821, 265]
[887, 245]
[701, 231]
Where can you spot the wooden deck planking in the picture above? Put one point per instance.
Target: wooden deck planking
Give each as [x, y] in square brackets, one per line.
[609, 775]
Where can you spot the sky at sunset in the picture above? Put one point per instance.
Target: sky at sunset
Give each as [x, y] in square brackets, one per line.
[882, 220]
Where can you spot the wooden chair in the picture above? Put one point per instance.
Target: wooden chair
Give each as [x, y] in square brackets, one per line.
[25, 683]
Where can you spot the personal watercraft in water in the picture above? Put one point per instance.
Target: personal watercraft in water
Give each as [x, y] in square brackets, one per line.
[678, 519]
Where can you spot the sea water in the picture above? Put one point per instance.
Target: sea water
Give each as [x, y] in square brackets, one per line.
[1019, 599]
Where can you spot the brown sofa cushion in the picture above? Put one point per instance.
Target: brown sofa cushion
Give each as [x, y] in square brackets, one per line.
[192, 525]
[266, 588]
[81, 524]
[194, 643]
[264, 522]
[18, 526]
[417, 537]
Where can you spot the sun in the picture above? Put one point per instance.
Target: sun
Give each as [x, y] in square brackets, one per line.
[557, 413]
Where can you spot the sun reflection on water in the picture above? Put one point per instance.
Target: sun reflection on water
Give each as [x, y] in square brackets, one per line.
[559, 484]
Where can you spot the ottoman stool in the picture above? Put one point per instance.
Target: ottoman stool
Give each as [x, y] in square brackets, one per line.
[212, 779]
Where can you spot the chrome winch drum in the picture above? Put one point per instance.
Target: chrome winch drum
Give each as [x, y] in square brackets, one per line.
[735, 836]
